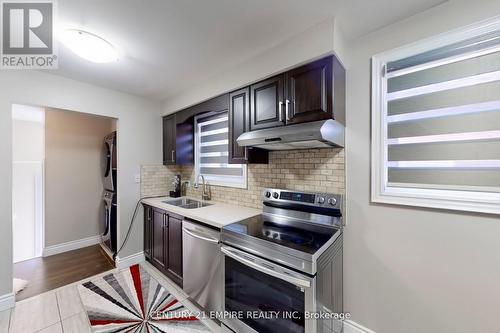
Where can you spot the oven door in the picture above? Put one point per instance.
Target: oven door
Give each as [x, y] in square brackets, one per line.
[261, 296]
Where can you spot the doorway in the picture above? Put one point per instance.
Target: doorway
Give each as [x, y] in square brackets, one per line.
[59, 193]
[28, 158]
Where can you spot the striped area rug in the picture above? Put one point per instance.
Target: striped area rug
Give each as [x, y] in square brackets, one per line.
[132, 301]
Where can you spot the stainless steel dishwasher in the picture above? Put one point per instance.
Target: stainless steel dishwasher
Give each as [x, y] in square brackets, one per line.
[202, 275]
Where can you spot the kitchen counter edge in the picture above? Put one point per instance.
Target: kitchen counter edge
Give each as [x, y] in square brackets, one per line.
[217, 215]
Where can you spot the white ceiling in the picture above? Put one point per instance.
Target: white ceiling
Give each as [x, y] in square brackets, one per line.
[168, 45]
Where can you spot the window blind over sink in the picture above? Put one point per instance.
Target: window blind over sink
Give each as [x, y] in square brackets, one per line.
[443, 117]
[213, 151]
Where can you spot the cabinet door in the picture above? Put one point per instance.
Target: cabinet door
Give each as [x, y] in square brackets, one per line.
[175, 249]
[309, 92]
[169, 139]
[184, 143]
[148, 231]
[239, 112]
[238, 123]
[266, 103]
[159, 225]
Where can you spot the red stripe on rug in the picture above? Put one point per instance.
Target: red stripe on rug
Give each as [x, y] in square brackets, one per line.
[136, 276]
[169, 305]
[111, 321]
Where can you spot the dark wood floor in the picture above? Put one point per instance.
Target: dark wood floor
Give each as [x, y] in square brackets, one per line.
[44, 274]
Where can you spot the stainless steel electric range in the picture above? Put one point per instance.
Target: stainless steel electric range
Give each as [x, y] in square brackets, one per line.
[283, 268]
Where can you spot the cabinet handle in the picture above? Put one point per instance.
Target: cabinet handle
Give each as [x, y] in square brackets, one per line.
[287, 102]
[246, 153]
[164, 221]
[280, 111]
[173, 151]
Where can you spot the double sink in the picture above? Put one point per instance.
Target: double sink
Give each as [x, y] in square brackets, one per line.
[187, 203]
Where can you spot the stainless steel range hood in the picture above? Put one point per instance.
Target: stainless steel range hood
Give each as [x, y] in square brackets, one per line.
[317, 134]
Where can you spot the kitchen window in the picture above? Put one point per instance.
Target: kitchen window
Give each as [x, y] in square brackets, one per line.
[212, 151]
[436, 122]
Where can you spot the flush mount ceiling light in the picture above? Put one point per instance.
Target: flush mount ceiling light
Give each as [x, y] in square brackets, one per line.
[89, 46]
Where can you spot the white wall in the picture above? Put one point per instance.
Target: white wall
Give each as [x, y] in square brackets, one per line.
[139, 141]
[409, 269]
[73, 176]
[27, 183]
[322, 39]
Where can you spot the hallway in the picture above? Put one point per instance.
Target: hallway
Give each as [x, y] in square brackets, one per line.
[44, 274]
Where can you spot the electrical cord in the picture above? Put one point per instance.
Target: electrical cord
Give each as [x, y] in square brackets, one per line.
[132, 223]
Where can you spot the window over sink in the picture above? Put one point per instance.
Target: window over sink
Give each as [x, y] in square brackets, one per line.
[436, 122]
[212, 151]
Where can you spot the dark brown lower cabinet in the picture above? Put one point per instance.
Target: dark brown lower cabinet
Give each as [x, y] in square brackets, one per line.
[158, 257]
[163, 242]
[174, 266]
[148, 225]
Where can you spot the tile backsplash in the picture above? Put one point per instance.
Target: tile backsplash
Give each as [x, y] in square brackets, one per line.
[315, 170]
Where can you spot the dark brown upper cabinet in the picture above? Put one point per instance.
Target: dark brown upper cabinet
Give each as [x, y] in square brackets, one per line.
[178, 141]
[184, 143]
[217, 104]
[238, 113]
[309, 91]
[239, 110]
[312, 92]
[178, 130]
[169, 139]
[266, 103]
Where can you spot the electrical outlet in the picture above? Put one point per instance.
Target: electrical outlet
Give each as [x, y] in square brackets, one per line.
[137, 178]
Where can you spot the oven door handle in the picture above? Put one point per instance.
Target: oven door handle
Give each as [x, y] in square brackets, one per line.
[260, 268]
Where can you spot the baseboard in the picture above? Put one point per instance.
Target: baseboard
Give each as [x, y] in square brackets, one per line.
[130, 260]
[7, 301]
[107, 251]
[353, 327]
[69, 246]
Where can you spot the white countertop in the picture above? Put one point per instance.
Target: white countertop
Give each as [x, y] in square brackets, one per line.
[217, 214]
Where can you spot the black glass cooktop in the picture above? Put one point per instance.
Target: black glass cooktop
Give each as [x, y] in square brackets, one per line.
[302, 238]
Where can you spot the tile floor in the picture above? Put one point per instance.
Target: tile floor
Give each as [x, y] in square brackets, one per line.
[61, 310]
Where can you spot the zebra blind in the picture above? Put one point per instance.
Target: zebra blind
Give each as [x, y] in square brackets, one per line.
[443, 117]
[212, 151]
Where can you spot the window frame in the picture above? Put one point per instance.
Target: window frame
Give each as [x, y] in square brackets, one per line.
[430, 196]
[211, 179]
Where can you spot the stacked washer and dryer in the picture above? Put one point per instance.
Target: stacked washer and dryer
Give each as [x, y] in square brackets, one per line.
[109, 171]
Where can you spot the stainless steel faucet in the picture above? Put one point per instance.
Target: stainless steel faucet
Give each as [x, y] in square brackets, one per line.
[206, 193]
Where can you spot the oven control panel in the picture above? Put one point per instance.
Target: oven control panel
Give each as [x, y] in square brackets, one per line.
[297, 196]
[326, 200]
